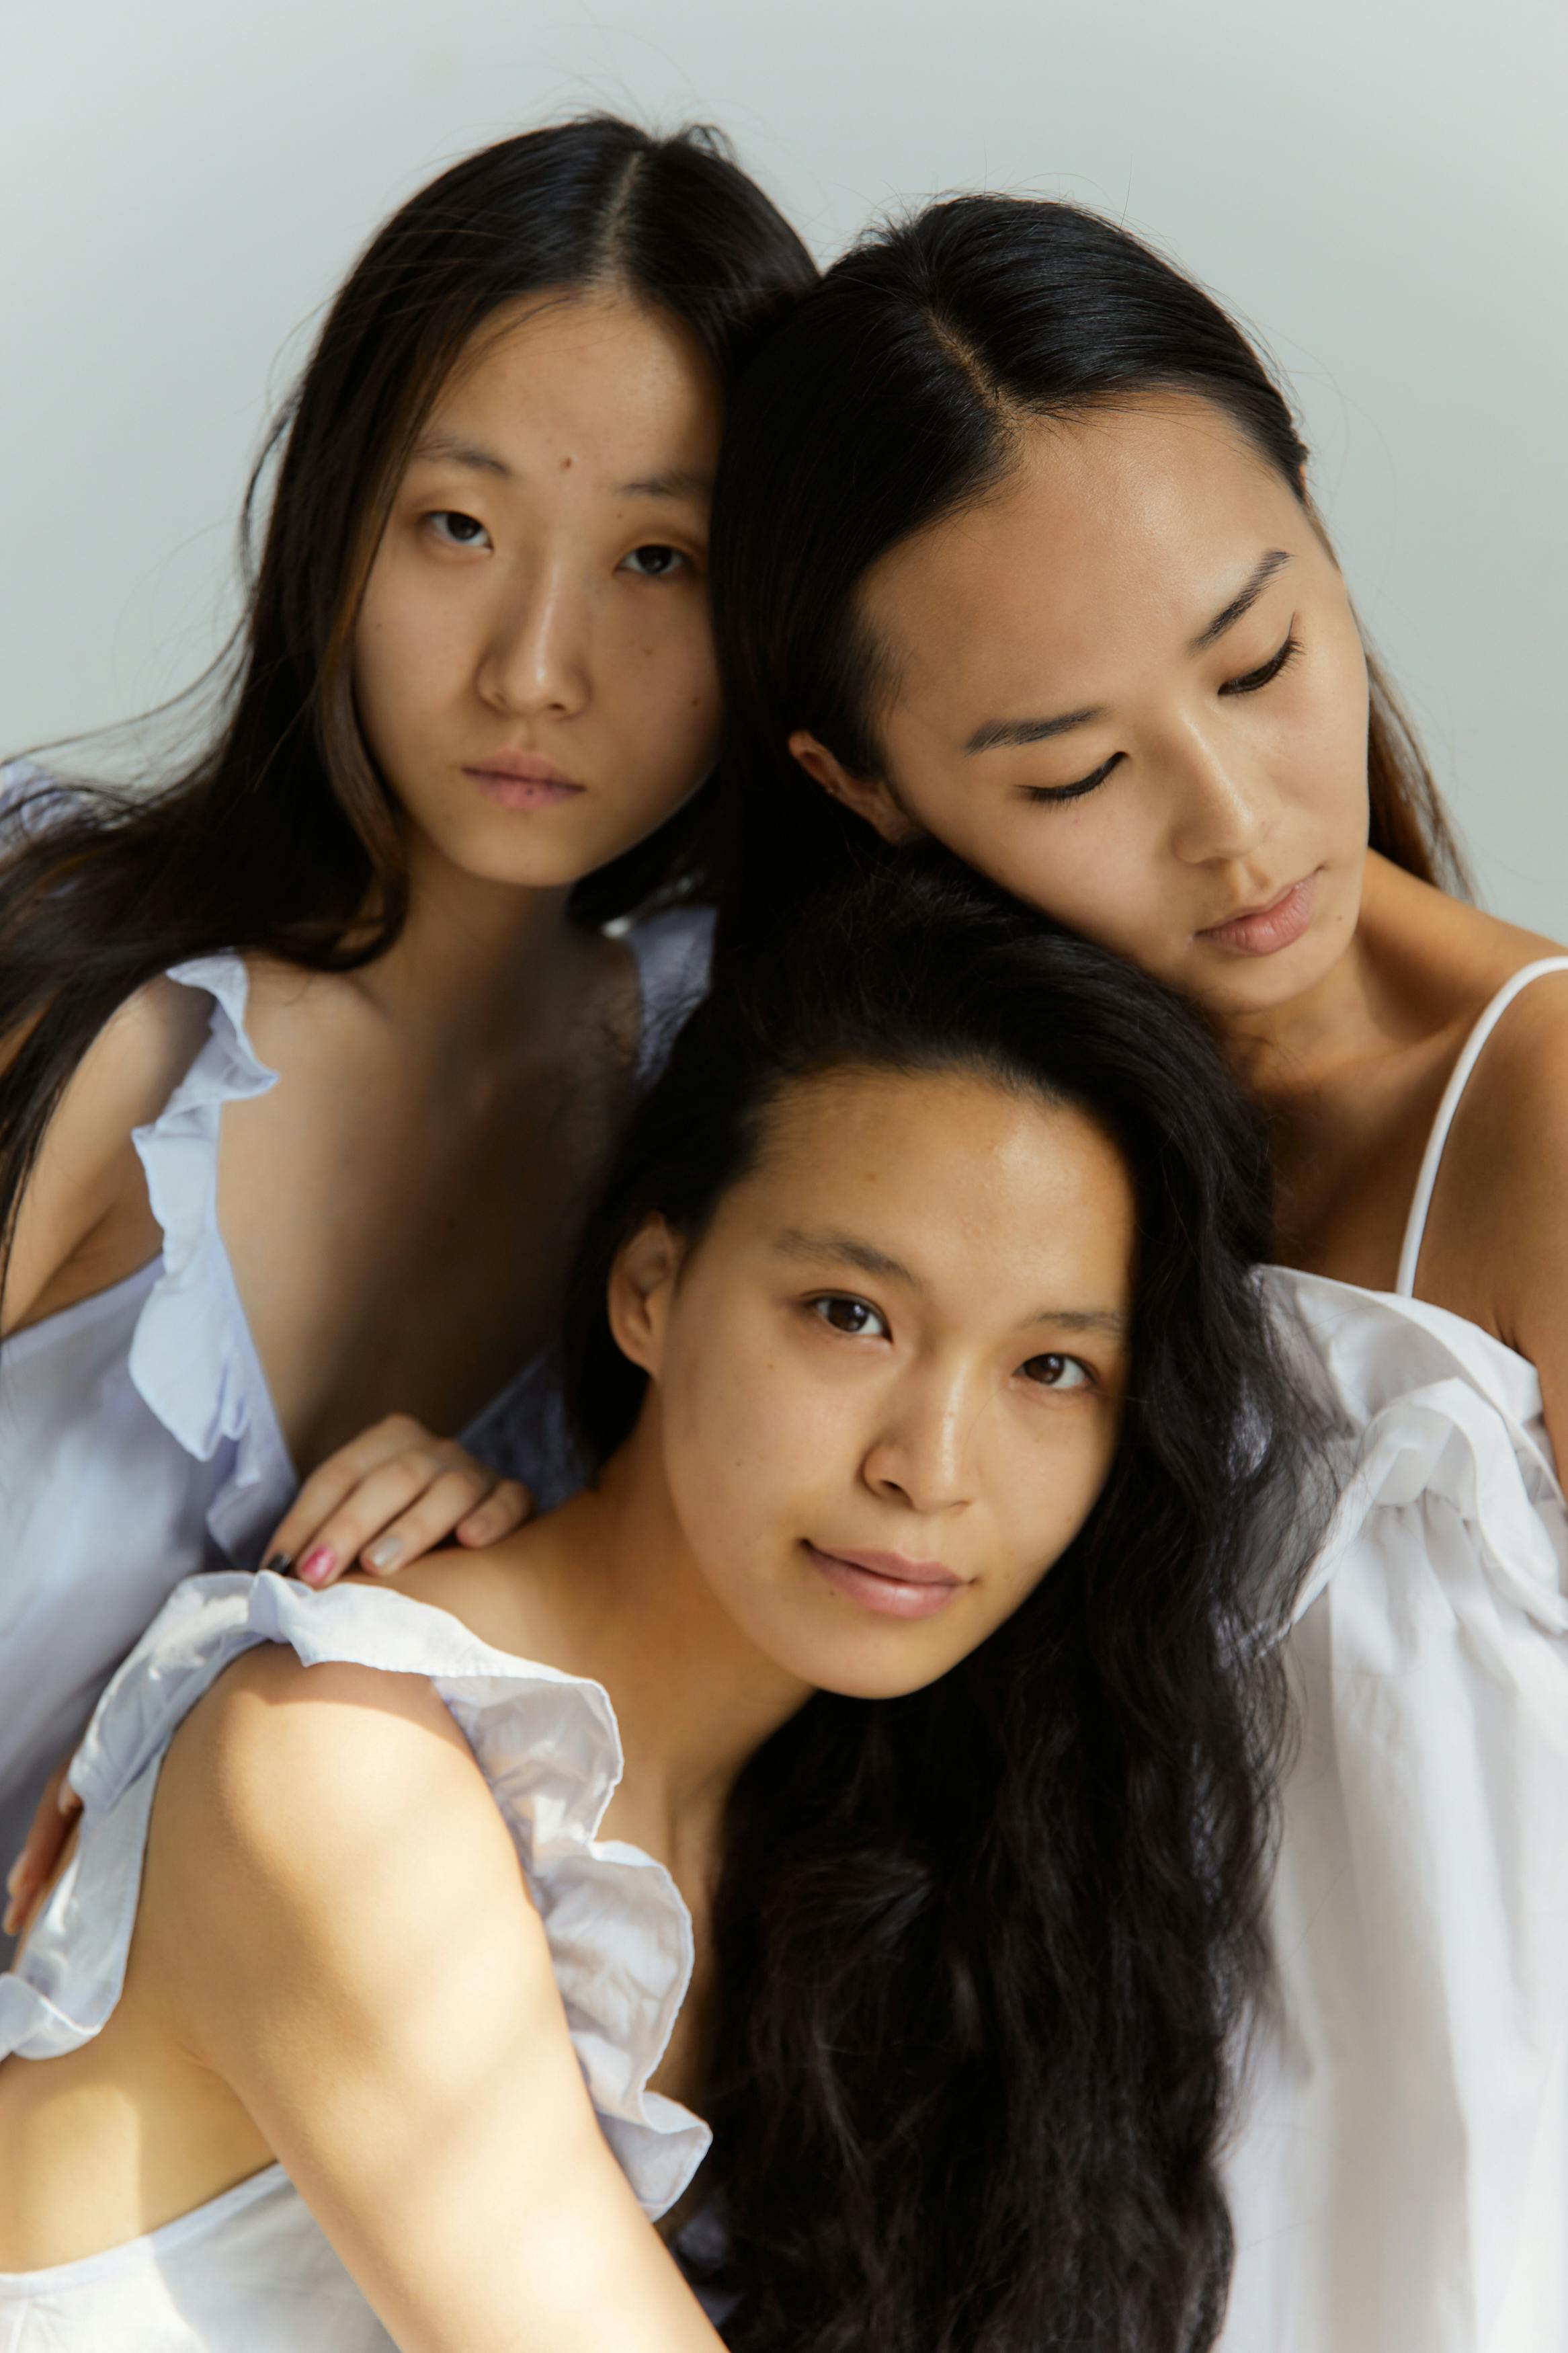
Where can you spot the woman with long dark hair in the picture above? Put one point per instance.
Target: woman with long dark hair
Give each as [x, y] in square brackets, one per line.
[886, 1732]
[1053, 590]
[311, 1053]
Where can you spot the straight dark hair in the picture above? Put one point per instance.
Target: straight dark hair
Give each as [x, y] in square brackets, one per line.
[889, 397]
[986, 1954]
[280, 836]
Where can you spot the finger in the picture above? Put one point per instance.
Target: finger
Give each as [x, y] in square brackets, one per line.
[334, 1481]
[498, 1515]
[376, 1509]
[431, 1519]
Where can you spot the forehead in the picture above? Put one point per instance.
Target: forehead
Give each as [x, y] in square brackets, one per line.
[1125, 521]
[983, 1191]
[596, 380]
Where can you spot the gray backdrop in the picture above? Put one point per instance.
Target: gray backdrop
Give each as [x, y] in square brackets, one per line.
[1378, 187]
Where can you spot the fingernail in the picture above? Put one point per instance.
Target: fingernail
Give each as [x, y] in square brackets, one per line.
[12, 1875]
[316, 1567]
[383, 1552]
[276, 1564]
[11, 1922]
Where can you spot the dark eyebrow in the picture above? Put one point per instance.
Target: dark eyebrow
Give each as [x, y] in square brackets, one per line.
[1268, 565]
[848, 1248]
[458, 452]
[1084, 1319]
[1014, 731]
[677, 482]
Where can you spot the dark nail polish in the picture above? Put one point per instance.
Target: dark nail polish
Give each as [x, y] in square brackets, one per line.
[277, 1564]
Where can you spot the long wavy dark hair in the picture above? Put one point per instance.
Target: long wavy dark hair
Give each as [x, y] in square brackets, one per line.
[280, 836]
[889, 397]
[986, 1954]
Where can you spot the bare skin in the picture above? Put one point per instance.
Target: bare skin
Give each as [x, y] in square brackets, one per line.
[960, 1405]
[396, 1207]
[1193, 781]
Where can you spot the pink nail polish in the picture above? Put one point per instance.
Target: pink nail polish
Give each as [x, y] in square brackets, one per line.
[316, 1567]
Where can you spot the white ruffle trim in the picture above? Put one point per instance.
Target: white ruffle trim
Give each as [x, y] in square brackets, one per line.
[547, 1744]
[1440, 1411]
[192, 1358]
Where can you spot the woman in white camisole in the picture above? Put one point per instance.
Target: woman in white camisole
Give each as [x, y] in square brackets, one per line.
[1117, 668]
[312, 1059]
[895, 1684]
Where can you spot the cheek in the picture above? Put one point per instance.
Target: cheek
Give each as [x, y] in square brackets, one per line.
[739, 1423]
[404, 648]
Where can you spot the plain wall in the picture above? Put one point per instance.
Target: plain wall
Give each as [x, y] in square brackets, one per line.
[1377, 187]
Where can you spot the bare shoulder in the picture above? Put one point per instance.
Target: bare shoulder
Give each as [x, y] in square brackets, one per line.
[486, 1587]
[284, 1768]
[1499, 1236]
[84, 1222]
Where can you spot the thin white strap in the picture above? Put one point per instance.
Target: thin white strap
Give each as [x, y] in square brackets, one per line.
[1415, 1226]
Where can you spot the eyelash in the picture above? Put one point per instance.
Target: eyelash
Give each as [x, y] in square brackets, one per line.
[843, 1299]
[1252, 681]
[846, 1299]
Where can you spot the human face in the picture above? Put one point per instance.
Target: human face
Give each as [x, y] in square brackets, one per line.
[1129, 687]
[533, 666]
[888, 1378]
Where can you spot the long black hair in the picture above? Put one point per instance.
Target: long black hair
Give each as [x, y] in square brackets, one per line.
[985, 1954]
[889, 397]
[280, 837]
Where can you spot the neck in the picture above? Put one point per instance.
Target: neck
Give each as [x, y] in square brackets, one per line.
[694, 1696]
[474, 954]
[1301, 1047]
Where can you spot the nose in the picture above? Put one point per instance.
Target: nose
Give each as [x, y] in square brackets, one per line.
[534, 660]
[922, 1453]
[1226, 804]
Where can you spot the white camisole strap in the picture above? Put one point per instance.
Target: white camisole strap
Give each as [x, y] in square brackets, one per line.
[1420, 1208]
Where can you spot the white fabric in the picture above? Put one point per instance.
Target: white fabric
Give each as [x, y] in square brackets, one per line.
[249, 2272]
[1399, 2177]
[1458, 1079]
[138, 1438]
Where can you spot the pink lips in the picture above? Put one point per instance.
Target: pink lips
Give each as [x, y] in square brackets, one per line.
[522, 780]
[1264, 931]
[887, 1582]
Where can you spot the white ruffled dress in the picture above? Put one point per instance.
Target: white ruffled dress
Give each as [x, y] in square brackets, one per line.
[250, 2271]
[138, 1438]
[1399, 2178]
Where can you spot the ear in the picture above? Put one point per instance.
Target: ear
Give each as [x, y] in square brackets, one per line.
[642, 1281]
[867, 796]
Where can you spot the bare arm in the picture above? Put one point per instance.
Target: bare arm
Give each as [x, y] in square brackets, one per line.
[338, 1925]
[84, 1221]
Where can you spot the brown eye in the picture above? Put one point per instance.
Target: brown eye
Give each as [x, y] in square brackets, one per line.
[1056, 1373]
[457, 529]
[852, 1316]
[655, 562]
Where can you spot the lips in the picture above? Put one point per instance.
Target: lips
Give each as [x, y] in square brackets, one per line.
[522, 780]
[886, 1582]
[1264, 931]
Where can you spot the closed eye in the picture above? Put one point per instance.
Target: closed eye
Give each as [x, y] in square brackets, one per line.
[1252, 679]
[856, 1318]
[1074, 792]
[1054, 1372]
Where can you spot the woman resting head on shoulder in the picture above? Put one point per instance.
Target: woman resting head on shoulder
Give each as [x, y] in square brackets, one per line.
[1054, 592]
[949, 1492]
[312, 1051]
